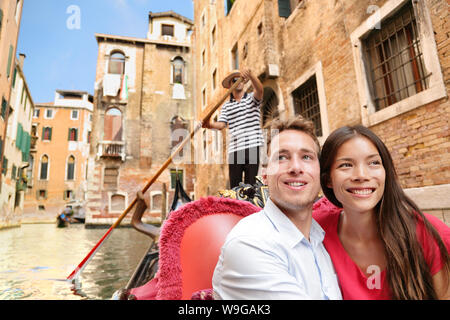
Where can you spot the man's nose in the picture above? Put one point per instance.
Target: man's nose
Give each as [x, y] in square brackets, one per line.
[295, 165]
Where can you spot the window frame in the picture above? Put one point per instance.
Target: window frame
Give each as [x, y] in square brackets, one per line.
[317, 71]
[436, 86]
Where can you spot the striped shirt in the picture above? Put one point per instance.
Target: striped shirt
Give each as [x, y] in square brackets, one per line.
[244, 122]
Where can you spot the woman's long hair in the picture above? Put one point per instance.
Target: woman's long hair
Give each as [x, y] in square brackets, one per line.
[408, 274]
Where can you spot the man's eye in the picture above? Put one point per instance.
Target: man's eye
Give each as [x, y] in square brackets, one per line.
[282, 157]
[307, 157]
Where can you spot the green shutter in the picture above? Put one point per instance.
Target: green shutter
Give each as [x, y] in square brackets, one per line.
[68, 136]
[19, 136]
[14, 78]
[4, 105]
[76, 134]
[10, 56]
[284, 8]
[50, 134]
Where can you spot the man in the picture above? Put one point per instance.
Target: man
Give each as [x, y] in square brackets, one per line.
[242, 114]
[278, 253]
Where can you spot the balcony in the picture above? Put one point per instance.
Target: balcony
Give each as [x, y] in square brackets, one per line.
[33, 143]
[111, 149]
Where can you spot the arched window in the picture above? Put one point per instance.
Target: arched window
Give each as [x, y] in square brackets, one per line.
[117, 63]
[113, 125]
[178, 70]
[269, 107]
[44, 168]
[70, 174]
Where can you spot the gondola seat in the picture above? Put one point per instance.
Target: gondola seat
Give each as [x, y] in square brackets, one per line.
[189, 248]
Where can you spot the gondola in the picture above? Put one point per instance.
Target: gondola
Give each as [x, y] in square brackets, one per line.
[203, 223]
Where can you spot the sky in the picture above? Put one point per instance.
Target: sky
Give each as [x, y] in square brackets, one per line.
[58, 38]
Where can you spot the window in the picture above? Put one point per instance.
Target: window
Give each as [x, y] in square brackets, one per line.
[110, 178]
[214, 79]
[10, 57]
[48, 114]
[73, 134]
[13, 172]
[178, 70]
[306, 103]
[68, 195]
[118, 203]
[395, 59]
[286, 7]
[70, 174]
[229, 5]
[5, 165]
[213, 36]
[203, 98]
[44, 168]
[156, 203]
[235, 58]
[47, 133]
[36, 113]
[173, 177]
[116, 63]
[260, 28]
[4, 107]
[74, 115]
[167, 30]
[41, 194]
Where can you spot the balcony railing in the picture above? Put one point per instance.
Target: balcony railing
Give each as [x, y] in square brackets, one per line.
[111, 149]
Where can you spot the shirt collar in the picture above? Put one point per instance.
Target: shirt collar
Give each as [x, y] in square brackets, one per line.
[288, 230]
[233, 99]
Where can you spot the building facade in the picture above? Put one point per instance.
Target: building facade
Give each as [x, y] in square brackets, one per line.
[10, 17]
[16, 157]
[383, 64]
[143, 107]
[57, 174]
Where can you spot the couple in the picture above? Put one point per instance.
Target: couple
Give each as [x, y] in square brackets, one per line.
[372, 242]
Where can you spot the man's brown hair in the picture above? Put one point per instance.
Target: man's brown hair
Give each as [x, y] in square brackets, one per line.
[294, 123]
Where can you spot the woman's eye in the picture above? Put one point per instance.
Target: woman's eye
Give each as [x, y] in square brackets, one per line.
[345, 165]
[375, 162]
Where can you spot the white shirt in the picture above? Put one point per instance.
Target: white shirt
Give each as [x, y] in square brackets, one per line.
[265, 256]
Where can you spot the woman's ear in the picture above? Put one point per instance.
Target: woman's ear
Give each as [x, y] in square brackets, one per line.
[329, 183]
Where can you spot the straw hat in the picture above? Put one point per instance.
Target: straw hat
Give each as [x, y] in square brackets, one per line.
[226, 83]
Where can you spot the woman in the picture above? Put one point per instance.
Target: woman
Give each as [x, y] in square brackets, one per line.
[381, 244]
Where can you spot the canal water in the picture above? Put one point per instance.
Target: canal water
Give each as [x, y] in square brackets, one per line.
[35, 260]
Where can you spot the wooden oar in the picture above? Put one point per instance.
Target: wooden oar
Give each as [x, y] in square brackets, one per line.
[89, 256]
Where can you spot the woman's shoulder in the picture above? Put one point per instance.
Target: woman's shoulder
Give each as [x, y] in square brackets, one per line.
[324, 212]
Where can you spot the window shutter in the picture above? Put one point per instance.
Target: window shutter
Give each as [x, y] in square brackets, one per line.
[76, 134]
[284, 8]
[68, 136]
[49, 133]
[10, 56]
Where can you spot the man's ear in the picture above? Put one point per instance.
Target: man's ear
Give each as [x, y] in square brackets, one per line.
[264, 174]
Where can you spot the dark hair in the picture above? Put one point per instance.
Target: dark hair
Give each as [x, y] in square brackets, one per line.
[408, 274]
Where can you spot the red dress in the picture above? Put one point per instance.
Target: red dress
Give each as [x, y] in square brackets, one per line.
[354, 284]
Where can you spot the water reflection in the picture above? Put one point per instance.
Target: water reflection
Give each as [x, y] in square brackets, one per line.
[36, 259]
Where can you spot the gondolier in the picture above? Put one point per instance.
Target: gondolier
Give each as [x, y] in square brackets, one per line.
[243, 117]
